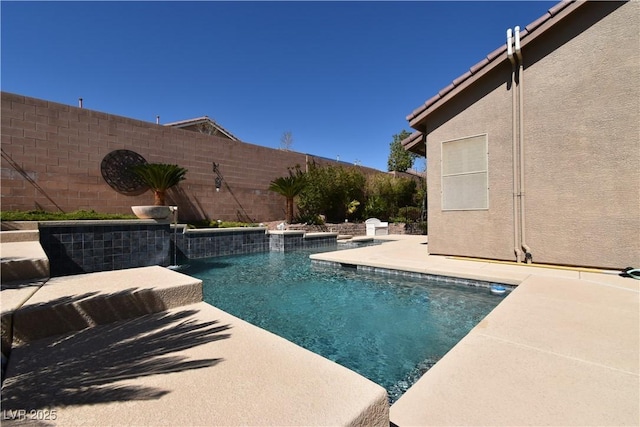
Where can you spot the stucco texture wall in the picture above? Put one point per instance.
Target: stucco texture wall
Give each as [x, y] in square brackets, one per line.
[60, 149]
[582, 153]
[486, 109]
[582, 147]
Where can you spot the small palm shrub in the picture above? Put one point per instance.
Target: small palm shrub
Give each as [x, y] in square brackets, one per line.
[159, 177]
[289, 187]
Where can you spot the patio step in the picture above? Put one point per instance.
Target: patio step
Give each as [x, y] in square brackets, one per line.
[22, 258]
[73, 303]
[10, 236]
[18, 225]
[13, 295]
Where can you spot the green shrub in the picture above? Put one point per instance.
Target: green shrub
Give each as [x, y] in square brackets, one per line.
[408, 214]
[331, 191]
[310, 219]
[386, 194]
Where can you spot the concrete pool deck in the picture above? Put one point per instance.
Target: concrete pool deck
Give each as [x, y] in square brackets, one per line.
[562, 349]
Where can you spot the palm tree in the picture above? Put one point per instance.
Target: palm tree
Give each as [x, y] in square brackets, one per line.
[159, 177]
[289, 187]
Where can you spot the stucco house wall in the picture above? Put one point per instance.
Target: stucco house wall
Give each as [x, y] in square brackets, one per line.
[474, 232]
[60, 149]
[583, 155]
[581, 111]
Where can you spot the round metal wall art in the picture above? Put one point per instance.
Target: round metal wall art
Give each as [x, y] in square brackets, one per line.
[116, 171]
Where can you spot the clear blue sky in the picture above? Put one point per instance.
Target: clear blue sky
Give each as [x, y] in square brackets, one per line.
[340, 76]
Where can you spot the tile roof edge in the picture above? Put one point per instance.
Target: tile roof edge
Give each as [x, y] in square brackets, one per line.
[492, 56]
[411, 138]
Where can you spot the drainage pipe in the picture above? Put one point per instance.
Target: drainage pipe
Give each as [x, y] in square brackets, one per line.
[518, 50]
[514, 143]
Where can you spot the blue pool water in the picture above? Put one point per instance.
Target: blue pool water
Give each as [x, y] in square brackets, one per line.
[388, 329]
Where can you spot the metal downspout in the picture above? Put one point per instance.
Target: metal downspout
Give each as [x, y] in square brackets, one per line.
[514, 141]
[523, 244]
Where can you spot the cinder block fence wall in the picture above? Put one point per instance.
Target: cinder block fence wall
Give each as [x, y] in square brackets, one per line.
[51, 156]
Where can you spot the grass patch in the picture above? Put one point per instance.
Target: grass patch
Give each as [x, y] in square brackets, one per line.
[220, 224]
[38, 215]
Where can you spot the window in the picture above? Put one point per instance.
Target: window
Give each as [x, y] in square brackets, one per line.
[464, 174]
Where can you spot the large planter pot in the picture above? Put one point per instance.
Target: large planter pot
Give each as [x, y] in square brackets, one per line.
[152, 212]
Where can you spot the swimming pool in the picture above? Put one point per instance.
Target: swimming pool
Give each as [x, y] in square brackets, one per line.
[388, 329]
